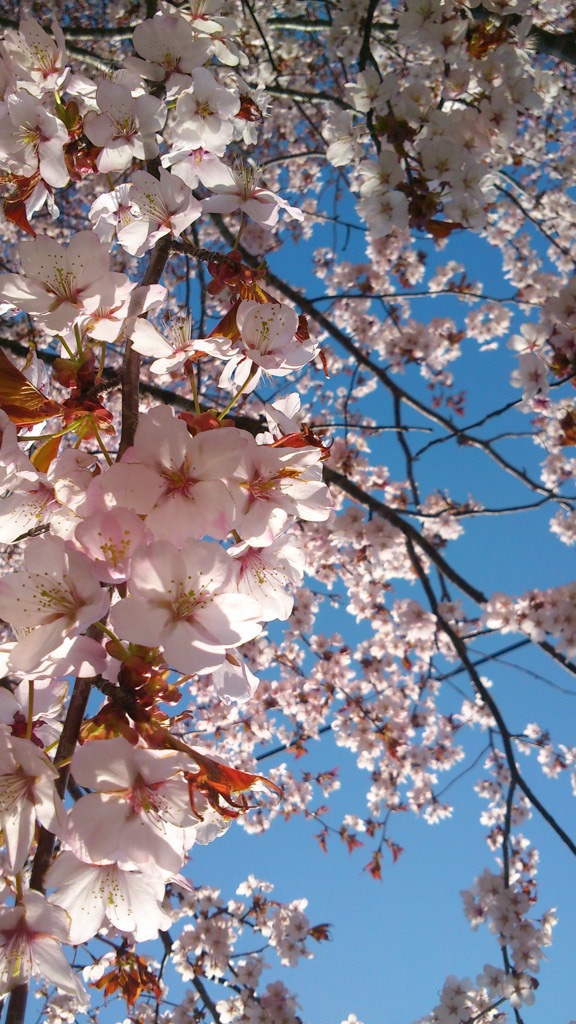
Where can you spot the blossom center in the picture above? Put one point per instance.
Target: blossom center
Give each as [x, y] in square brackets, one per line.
[246, 179]
[179, 481]
[188, 602]
[126, 126]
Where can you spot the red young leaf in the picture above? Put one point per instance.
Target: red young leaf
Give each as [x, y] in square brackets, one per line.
[22, 402]
[219, 782]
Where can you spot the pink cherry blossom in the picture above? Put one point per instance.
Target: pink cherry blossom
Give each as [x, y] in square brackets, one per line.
[266, 573]
[175, 480]
[37, 57]
[15, 466]
[189, 163]
[282, 481]
[32, 138]
[27, 794]
[35, 498]
[57, 595]
[31, 934]
[233, 682]
[40, 704]
[95, 893]
[185, 600]
[267, 345]
[140, 814]
[167, 46]
[203, 114]
[198, 534]
[112, 211]
[58, 284]
[75, 656]
[169, 353]
[158, 207]
[531, 375]
[25, 509]
[268, 331]
[236, 188]
[109, 539]
[126, 128]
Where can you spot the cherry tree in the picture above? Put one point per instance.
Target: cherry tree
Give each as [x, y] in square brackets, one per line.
[240, 289]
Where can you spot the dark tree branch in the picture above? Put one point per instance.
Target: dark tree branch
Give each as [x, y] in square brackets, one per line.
[66, 747]
[409, 531]
[459, 646]
[209, 1003]
[130, 372]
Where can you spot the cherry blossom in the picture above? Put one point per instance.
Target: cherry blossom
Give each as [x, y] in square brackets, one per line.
[57, 595]
[32, 139]
[174, 479]
[267, 345]
[109, 539]
[246, 538]
[140, 812]
[167, 47]
[203, 113]
[236, 188]
[31, 934]
[289, 483]
[112, 211]
[170, 352]
[27, 793]
[157, 208]
[185, 600]
[233, 681]
[126, 127]
[61, 284]
[95, 893]
[265, 573]
[37, 57]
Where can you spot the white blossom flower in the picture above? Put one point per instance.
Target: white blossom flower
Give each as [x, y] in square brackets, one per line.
[275, 484]
[112, 211]
[531, 375]
[60, 284]
[95, 893]
[173, 479]
[167, 46]
[57, 595]
[185, 600]
[35, 56]
[31, 934]
[266, 573]
[236, 188]
[157, 208]
[233, 681]
[126, 127]
[267, 345]
[169, 353]
[203, 114]
[27, 793]
[32, 139]
[140, 814]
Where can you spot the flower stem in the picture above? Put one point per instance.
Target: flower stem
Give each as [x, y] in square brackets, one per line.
[101, 443]
[192, 380]
[30, 719]
[105, 629]
[235, 397]
[243, 222]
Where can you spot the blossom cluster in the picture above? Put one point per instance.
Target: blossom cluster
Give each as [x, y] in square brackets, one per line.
[505, 907]
[157, 567]
[159, 506]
